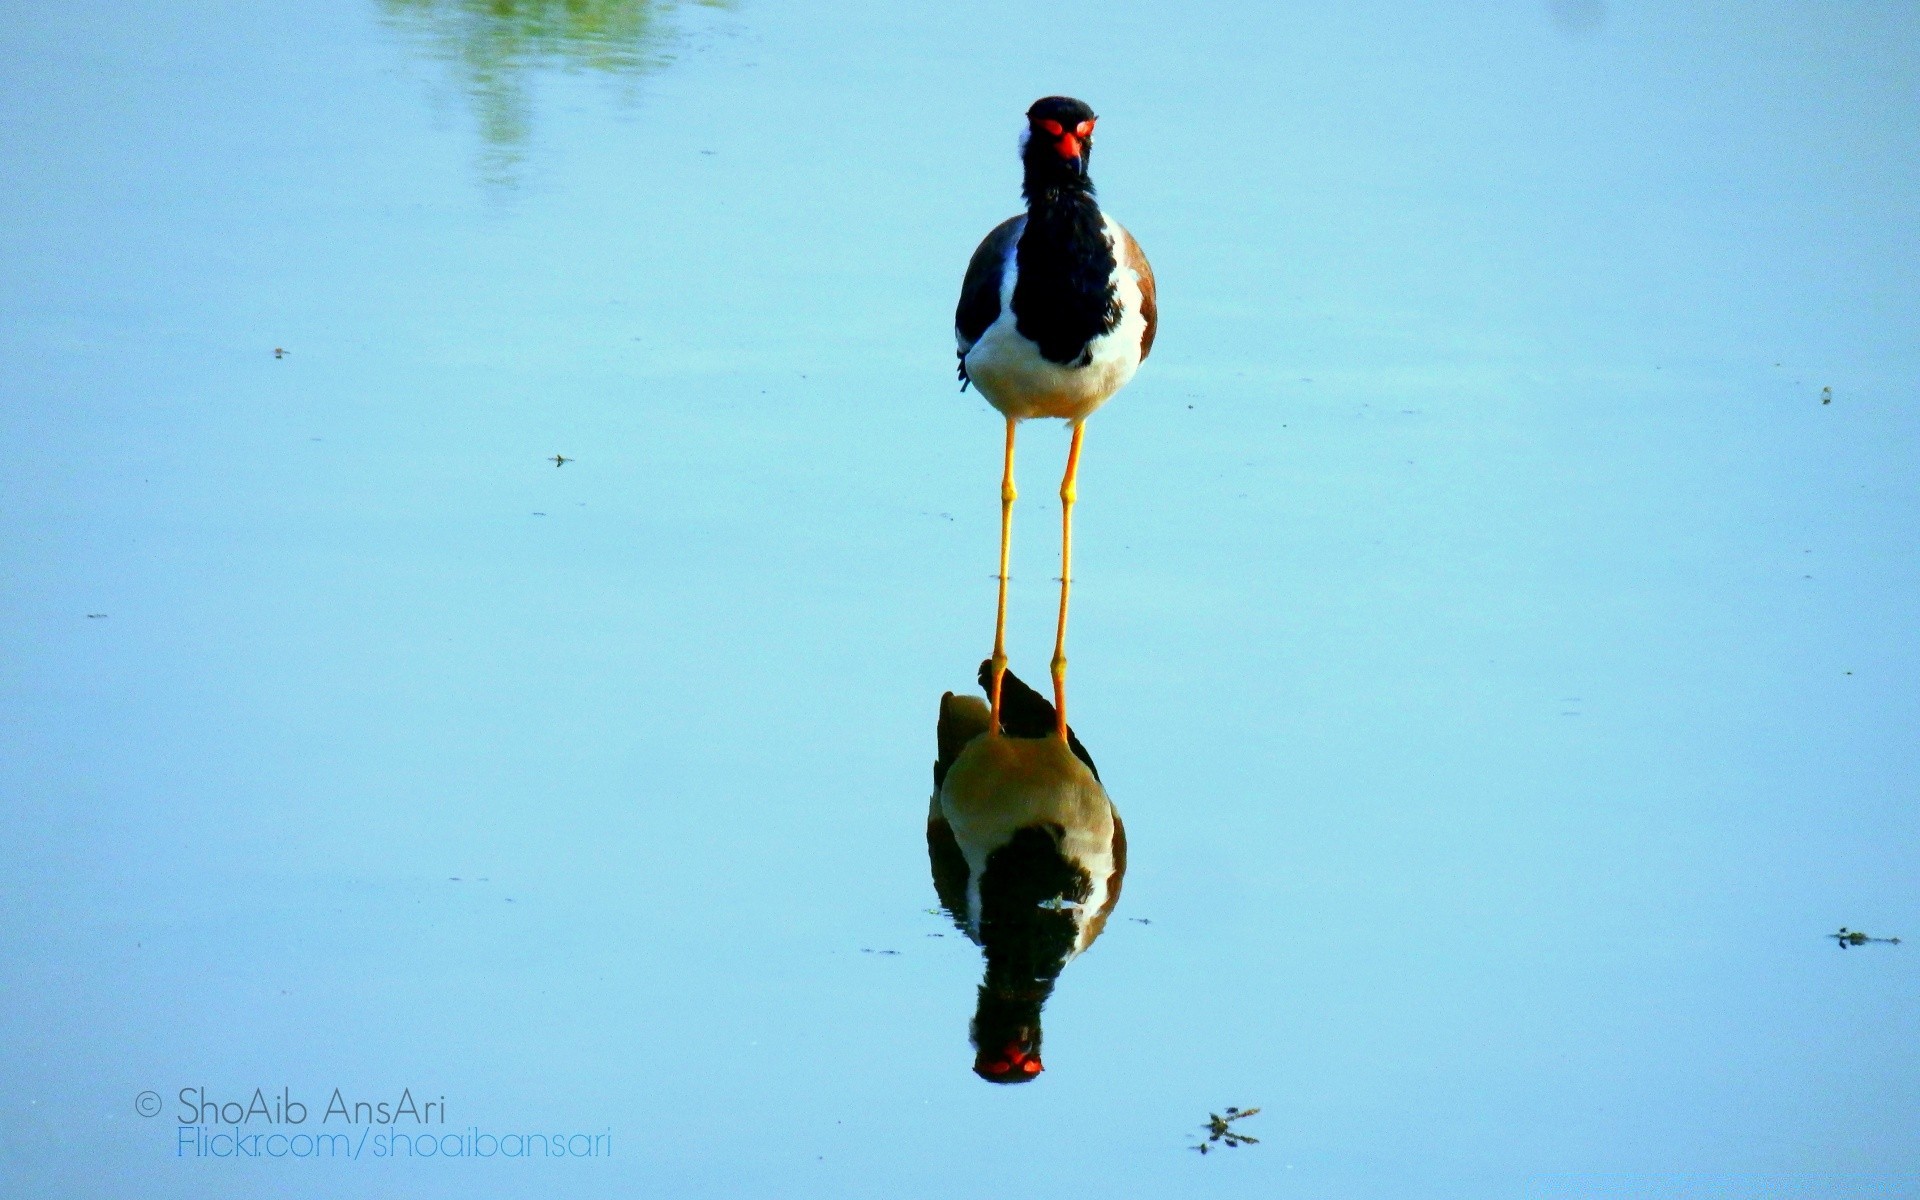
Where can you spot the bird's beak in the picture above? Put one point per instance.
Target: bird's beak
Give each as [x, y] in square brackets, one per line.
[1073, 153]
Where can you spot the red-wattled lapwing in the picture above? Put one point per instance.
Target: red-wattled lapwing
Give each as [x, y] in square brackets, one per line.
[1027, 855]
[1056, 313]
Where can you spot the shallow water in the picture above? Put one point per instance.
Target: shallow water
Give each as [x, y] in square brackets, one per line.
[1500, 653]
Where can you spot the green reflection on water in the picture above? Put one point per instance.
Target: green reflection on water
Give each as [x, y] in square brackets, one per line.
[495, 46]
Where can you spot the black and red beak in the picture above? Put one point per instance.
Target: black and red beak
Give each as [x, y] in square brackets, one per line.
[1014, 1064]
[1070, 144]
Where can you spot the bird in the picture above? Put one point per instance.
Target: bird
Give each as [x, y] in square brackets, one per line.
[1057, 311]
[1027, 853]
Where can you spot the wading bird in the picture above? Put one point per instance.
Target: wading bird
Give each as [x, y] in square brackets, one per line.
[1056, 313]
[1027, 854]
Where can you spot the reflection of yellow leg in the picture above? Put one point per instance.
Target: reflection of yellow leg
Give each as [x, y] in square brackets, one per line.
[1068, 492]
[1007, 495]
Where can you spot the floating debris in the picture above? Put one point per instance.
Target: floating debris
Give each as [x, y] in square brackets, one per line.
[1826, 395]
[865, 950]
[559, 460]
[280, 352]
[1853, 937]
[1220, 1131]
[96, 616]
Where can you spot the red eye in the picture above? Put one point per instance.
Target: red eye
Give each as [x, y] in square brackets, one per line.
[1083, 129]
[1052, 127]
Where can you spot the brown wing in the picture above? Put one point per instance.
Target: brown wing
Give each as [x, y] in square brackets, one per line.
[949, 868]
[980, 290]
[962, 718]
[1133, 257]
[1098, 925]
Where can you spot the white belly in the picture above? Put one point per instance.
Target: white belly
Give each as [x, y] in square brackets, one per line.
[1015, 378]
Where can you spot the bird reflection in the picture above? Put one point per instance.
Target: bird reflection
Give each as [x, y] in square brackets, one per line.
[1027, 855]
[497, 48]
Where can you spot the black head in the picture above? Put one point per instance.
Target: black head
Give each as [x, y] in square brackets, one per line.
[1006, 1037]
[1059, 141]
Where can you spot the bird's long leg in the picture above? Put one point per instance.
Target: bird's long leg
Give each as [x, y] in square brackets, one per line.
[1069, 491]
[1007, 496]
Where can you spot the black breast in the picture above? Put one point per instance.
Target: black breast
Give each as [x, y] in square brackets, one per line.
[1026, 923]
[1064, 297]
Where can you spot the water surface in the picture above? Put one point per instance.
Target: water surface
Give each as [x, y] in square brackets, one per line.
[1501, 654]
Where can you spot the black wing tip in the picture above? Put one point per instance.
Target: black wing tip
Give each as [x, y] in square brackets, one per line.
[1025, 713]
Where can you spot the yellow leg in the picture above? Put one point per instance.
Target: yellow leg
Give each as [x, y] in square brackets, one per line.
[1069, 491]
[1007, 496]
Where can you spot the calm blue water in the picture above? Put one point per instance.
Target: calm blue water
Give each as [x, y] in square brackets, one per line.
[1501, 655]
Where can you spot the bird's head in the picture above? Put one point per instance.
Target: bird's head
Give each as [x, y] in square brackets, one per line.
[1006, 1035]
[1058, 141]
[1016, 1062]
